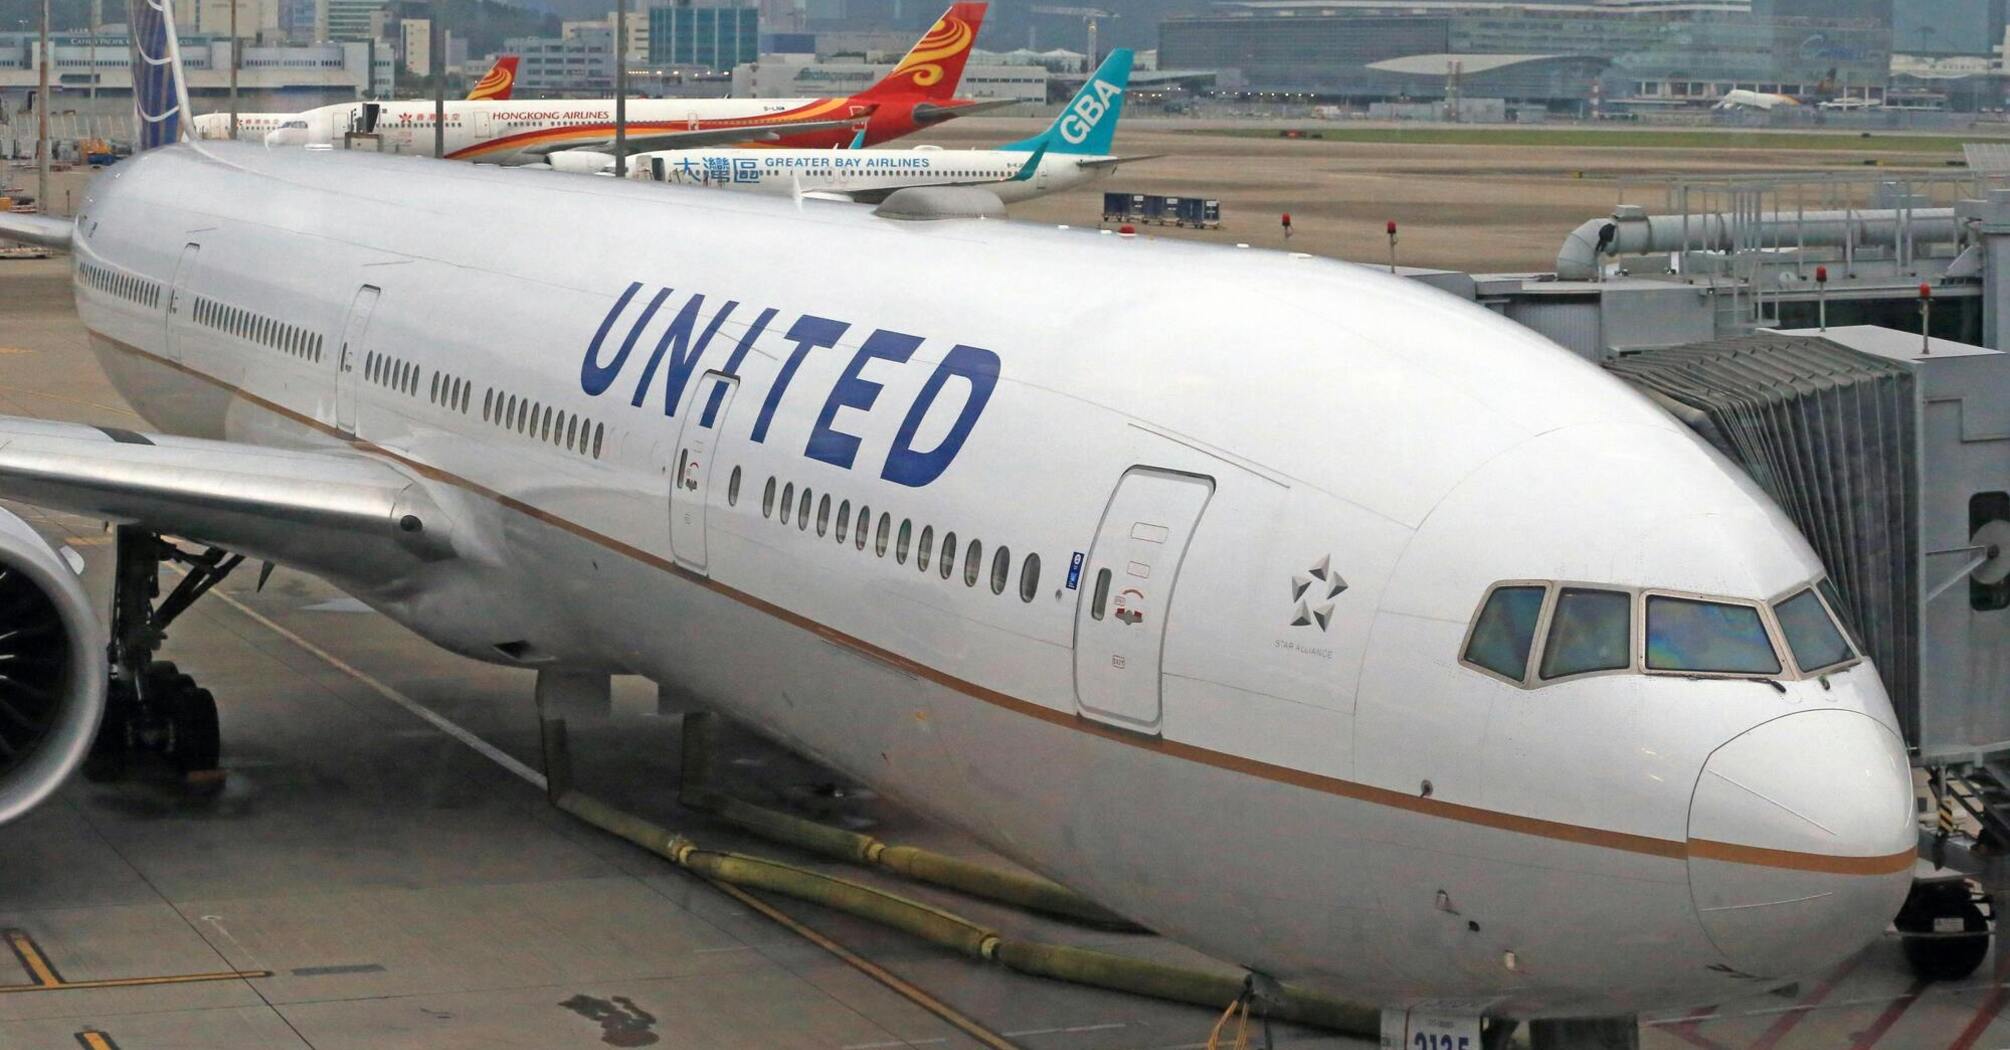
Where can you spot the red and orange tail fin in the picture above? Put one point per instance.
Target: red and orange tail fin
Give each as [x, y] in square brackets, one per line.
[934, 66]
[497, 84]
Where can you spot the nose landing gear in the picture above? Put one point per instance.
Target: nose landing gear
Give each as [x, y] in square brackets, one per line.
[1943, 930]
[151, 707]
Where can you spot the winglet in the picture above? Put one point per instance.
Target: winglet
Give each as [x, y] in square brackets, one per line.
[1032, 165]
[160, 91]
[1088, 125]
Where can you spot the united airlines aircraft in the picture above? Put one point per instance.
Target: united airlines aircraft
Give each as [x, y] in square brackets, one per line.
[919, 92]
[1334, 626]
[1073, 151]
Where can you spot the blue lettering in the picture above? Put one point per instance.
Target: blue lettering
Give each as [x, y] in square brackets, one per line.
[906, 465]
[684, 358]
[733, 363]
[808, 331]
[850, 391]
[592, 377]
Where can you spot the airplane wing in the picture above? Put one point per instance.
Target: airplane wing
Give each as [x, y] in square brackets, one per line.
[934, 112]
[338, 513]
[1111, 162]
[662, 140]
[47, 231]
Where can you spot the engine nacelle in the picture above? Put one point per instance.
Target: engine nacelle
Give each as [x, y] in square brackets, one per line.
[52, 670]
[581, 161]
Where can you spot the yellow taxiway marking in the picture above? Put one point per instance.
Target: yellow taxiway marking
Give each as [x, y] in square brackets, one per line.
[44, 977]
[92, 1039]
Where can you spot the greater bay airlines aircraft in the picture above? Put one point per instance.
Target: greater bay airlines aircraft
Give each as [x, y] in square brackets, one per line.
[1337, 627]
[918, 93]
[1073, 151]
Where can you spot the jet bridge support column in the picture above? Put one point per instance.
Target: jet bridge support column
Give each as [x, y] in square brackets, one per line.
[1995, 231]
[574, 694]
[1585, 1033]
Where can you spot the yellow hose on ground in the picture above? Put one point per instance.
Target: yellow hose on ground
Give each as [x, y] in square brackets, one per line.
[949, 930]
[1018, 889]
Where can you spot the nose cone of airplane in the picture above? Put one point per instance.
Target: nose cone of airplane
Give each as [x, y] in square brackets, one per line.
[1802, 836]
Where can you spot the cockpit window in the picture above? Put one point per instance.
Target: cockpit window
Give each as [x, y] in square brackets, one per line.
[1591, 630]
[1684, 634]
[1812, 636]
[1505, 631]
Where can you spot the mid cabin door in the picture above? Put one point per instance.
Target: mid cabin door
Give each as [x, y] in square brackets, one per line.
[1127, 586]
[349, 358]
[180, 302]
[692, 477]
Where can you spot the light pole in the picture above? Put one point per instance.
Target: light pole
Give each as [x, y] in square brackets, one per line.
[42, 117]
[621, 89]
[233, 70]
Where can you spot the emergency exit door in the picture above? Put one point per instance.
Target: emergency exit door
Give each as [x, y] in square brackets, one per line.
[179, 301]
[691, 477]
[1126, 588]
[349, 355]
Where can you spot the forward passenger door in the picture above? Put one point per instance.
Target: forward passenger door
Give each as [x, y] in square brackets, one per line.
[1126, 589]
[349, 356]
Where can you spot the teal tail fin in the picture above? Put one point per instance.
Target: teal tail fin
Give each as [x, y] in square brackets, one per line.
[160, 95]
[1088, 126]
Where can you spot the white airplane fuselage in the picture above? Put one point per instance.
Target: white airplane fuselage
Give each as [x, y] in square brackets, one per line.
[785, 171]
[780, 455]
[506, 132]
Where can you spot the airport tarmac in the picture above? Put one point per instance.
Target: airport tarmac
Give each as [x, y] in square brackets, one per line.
[382, 870]
[1465, 206]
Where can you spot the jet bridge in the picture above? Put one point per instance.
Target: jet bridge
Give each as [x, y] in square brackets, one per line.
[1891, 452]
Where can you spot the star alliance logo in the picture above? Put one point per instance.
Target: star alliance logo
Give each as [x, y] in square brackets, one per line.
[1304, 592]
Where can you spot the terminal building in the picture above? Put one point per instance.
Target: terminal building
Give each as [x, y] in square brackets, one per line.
[1566, 56]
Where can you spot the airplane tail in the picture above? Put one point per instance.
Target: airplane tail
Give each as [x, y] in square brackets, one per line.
[934, 66]
[1088, 125]
[498, 83]
[160, 93]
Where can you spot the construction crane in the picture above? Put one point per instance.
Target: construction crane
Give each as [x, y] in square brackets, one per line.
[1089, 16]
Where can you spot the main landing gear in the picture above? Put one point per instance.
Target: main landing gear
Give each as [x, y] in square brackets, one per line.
[151, 707]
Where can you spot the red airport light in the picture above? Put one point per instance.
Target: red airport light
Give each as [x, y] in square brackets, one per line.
[1925, 290]
[1821, 275]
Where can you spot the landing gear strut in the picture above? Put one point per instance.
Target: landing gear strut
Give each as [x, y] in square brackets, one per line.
[1944, 931]
[151, 707]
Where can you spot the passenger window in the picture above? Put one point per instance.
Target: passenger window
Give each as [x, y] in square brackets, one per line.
[733, 489]
[926, 548]
[1590, 631]
[823, 513]
[879, 538]
[768, 499]
[1812, 636]
[948, 559]
[843, 520]
[788, 501]
[1684, 634]
[864, 526]
[803, 511]
[599, 431]
[1505, 631]
[1029, 578]
[900, 542]
[1101, 596]
[973, 563]
[1001, 568]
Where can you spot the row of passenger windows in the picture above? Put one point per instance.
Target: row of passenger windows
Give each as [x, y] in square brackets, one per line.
[807, 507]
[291, 339]
[124, 285]
[1588, 629]
[568, 431]
[396, 373]
[451, 392]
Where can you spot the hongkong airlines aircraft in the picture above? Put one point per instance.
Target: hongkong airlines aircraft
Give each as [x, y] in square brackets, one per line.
[918, 93]
[1176, 573]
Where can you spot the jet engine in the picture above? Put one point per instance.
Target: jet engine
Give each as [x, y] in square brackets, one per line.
[52, 670]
